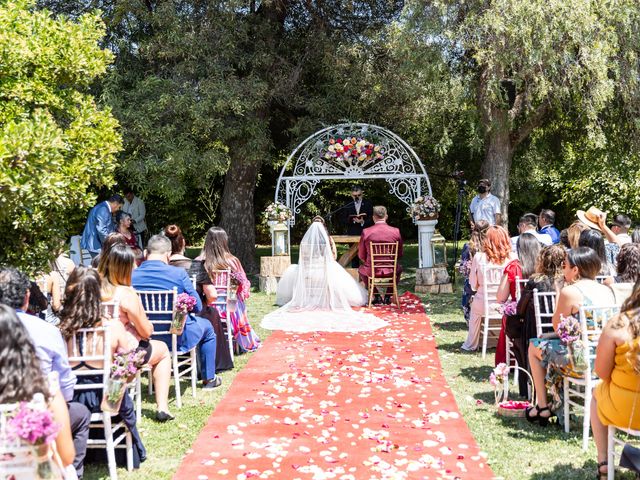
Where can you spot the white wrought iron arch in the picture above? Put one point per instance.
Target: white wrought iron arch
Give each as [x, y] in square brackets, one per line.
[400, 166]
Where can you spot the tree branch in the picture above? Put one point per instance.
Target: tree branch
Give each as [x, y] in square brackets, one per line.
[534, 121]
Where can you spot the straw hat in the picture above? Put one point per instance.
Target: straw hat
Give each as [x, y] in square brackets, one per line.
[590, 217]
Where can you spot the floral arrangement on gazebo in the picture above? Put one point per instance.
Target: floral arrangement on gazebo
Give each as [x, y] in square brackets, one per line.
[425, 208]
[277, 212]
[352, 151]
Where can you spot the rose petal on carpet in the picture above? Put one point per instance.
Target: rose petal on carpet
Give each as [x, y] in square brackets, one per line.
[366, 405]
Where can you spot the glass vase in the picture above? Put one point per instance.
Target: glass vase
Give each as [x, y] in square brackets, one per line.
[114, 391]
[232, 300]
[178, 320]
[46, 468]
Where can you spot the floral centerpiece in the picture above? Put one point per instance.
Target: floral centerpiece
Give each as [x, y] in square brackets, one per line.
[352, 151]
[425, 208]
[185, 303]
[277, 212]
[124, 368]
[506, 407]
[33, 423]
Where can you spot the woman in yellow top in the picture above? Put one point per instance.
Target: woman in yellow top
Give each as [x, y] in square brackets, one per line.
[617, 397]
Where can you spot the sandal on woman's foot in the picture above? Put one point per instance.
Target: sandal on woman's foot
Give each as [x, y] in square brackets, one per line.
[542, 420]
[601, 474]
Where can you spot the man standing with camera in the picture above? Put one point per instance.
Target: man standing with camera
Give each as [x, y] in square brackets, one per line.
[485, 206]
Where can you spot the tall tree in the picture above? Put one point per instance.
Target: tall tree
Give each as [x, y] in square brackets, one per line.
[521, 60]
[54, 140]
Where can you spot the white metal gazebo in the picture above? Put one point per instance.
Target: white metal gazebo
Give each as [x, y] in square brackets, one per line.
[400, 166]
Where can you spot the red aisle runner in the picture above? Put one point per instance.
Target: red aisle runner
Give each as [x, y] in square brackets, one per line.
[367, 405]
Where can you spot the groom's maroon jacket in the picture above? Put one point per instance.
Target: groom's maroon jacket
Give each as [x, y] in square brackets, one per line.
[380, 232]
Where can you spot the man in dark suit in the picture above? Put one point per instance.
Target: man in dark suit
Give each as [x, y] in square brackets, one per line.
[357, 215]
[100, 224]
[156, 274]
[380, 232]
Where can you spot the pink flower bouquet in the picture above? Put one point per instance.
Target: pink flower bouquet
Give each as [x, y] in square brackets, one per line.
[185, 303]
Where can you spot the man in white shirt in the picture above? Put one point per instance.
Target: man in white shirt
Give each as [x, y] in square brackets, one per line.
[485, 206]
[527, 224]
[620, 226]
[135, 207]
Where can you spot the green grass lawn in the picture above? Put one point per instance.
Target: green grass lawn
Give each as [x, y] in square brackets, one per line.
[516, 449]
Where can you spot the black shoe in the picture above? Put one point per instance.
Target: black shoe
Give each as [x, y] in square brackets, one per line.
[543, 421]
[377, 300]
[164, 416]
[211, 384]
[387, 299]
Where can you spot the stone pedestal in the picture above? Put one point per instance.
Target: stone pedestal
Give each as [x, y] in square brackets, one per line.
[426, 229]
[433, 280]
[271, 269]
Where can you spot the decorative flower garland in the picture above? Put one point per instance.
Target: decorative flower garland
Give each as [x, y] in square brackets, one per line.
[352, 150]
[278, 212]
[424, 208]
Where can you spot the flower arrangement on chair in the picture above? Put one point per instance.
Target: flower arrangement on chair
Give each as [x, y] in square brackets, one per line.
[124, 368]
[33, 424]
[185, 303]
[569, 332]
[425, 208]
[506, 407]
[352, 151]
[277, 212]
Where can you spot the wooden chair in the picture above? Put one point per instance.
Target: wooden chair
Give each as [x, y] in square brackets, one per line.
[16, 460]
[491, 318]
[592, 321]
[158, 305]
[221, 280]
[383, 256]
[84, 348]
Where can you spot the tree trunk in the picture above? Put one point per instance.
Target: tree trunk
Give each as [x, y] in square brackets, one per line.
[497, 164]
[237, 209]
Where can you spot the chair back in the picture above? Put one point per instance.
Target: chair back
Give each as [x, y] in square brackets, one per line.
[158, 305]
[384, 259]
[544, 304]
[520, 284]
[91, 345]
[16, 460]
[593, 319]
[221, 280]
[491, 278]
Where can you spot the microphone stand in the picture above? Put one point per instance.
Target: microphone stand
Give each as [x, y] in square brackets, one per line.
[330, 215]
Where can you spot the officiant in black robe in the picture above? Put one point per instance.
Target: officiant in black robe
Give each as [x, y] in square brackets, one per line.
[357, 215]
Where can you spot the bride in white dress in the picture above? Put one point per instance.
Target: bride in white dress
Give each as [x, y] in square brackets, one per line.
[318, 294]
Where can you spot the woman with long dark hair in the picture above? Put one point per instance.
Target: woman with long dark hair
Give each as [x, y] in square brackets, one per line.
[616, 399]
[82, 310]
[217, 256]
[22, 378]
[115, 272]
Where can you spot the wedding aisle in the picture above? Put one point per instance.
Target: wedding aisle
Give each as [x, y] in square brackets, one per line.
[370, 405]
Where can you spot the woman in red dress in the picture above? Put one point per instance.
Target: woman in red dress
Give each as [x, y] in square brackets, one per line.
[124, 228]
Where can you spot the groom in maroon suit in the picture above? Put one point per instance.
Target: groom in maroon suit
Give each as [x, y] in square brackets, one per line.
[379, 232]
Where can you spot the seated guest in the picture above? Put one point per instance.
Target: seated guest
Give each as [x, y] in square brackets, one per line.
[156, 274]
[22, 378]
[546, 220]
[50, 287]
[593, 239]
[620, 227]
[125, 228]
[574, 231]
[496, 252]
[217, 256]
[628, 272]
[518, 268]
[616, 398]
[546, 278]
[178, 246]
[82, 310]
[52, 354]
[111, 240]
[551, 358]
[115, 270]
[478, 231]
[596, 219]
[527, 224]
[379, 232]
[564, 238]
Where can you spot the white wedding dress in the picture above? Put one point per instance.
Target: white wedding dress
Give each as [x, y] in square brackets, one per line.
[318, 294]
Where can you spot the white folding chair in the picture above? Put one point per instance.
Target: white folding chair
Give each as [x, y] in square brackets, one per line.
[612, 443]
[79, 255]
[520, 284]
[592, 321]
[221, 280]
[491, 277]
[544, 304]
[158, 305]
[94, 345]
[16, 460]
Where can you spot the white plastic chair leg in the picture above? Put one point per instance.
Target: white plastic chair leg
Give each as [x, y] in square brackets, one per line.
[176, 376]
[485, 336]
[586, 422]
[611, 458]
[194, 372]
[129, 444]
[111, 453]
[565, 388]
[138, 396]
